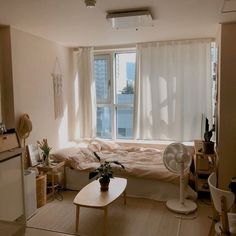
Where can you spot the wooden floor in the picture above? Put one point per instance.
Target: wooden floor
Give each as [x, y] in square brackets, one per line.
[138, 218]
[41, 232]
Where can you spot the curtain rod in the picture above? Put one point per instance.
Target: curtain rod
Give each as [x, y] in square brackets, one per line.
[178, 40]
[111, 47]
[115, 47]
[133, 45]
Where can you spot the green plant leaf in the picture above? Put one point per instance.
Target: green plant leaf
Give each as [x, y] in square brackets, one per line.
[93, 174]
[118, 163]
[96, 155]
[110, 175]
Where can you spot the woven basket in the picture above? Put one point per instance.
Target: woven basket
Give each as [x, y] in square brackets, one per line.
[41, 188]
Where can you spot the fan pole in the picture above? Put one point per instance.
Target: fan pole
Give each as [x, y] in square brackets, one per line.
[177, 159]
[181, 193]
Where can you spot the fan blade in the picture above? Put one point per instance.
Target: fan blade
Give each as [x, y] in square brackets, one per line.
[177, 156]
[170, 156]
[172, 165]
[178, 167]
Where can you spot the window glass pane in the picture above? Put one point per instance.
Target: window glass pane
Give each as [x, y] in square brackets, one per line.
[102, 78]
[124, 123]
[104, 122]
[125, 77]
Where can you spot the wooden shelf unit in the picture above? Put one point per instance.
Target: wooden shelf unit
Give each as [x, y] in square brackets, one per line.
[204, 165]
[51, 172]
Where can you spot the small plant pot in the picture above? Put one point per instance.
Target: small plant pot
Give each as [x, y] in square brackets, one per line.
[208, 147]
[104, 182]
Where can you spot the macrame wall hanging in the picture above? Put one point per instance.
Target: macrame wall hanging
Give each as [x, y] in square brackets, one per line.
[58, 90]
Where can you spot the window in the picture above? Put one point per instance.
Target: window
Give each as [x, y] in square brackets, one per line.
[115, 77]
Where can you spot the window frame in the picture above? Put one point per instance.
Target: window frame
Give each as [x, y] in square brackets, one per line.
[111, 54]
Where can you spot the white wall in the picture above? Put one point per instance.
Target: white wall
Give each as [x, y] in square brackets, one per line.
[226, 105]
[33, 61]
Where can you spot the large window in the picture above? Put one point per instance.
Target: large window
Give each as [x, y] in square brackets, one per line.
[115, 77]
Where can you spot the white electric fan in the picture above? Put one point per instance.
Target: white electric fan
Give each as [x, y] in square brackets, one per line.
[177, 159]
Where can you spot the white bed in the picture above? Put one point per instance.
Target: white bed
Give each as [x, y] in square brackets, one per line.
[144, 168]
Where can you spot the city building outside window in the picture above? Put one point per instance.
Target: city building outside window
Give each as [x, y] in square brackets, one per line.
[115, 79]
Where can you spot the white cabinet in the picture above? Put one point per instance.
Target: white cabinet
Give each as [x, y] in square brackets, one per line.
[11, 188]
[30, 193]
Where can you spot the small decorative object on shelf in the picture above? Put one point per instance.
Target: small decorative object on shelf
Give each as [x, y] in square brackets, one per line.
[105, 172]
[43, 145]
[208, 145]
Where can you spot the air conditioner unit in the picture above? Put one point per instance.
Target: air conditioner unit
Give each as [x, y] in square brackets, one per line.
[130, 19]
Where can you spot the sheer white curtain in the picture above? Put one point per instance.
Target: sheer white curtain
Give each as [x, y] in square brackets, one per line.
[85, 126]
[173, 89]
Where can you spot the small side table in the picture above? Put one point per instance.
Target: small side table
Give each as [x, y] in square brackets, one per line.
[92, 197]
[53, 169]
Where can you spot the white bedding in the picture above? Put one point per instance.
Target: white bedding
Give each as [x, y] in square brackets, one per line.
[138, 161]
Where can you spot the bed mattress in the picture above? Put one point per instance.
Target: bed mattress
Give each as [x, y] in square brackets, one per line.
[138, 161]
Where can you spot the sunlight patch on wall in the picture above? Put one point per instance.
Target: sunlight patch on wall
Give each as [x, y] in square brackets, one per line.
[163, 90]
[76, 106]
[76, 92]
[163, 100]
[173, 97]
[148, 112]
[63, 129]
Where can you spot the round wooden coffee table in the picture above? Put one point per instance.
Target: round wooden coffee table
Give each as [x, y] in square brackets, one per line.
[91, 196]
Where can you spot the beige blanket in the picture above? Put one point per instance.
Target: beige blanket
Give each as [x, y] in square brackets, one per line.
[138, 161]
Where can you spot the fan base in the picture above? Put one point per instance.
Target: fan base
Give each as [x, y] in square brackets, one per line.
[187, 207]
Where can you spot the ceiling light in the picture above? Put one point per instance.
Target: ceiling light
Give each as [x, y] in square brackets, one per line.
[130, 19]
[90, 3]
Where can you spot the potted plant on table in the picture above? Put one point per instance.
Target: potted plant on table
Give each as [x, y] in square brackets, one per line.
[43, 145]
[208, 145]
[105, 172]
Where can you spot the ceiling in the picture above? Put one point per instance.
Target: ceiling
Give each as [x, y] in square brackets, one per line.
[69, 22]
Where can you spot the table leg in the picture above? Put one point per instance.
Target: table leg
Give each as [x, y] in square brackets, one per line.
[77, 219]
[105, 221]
[124, 195]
